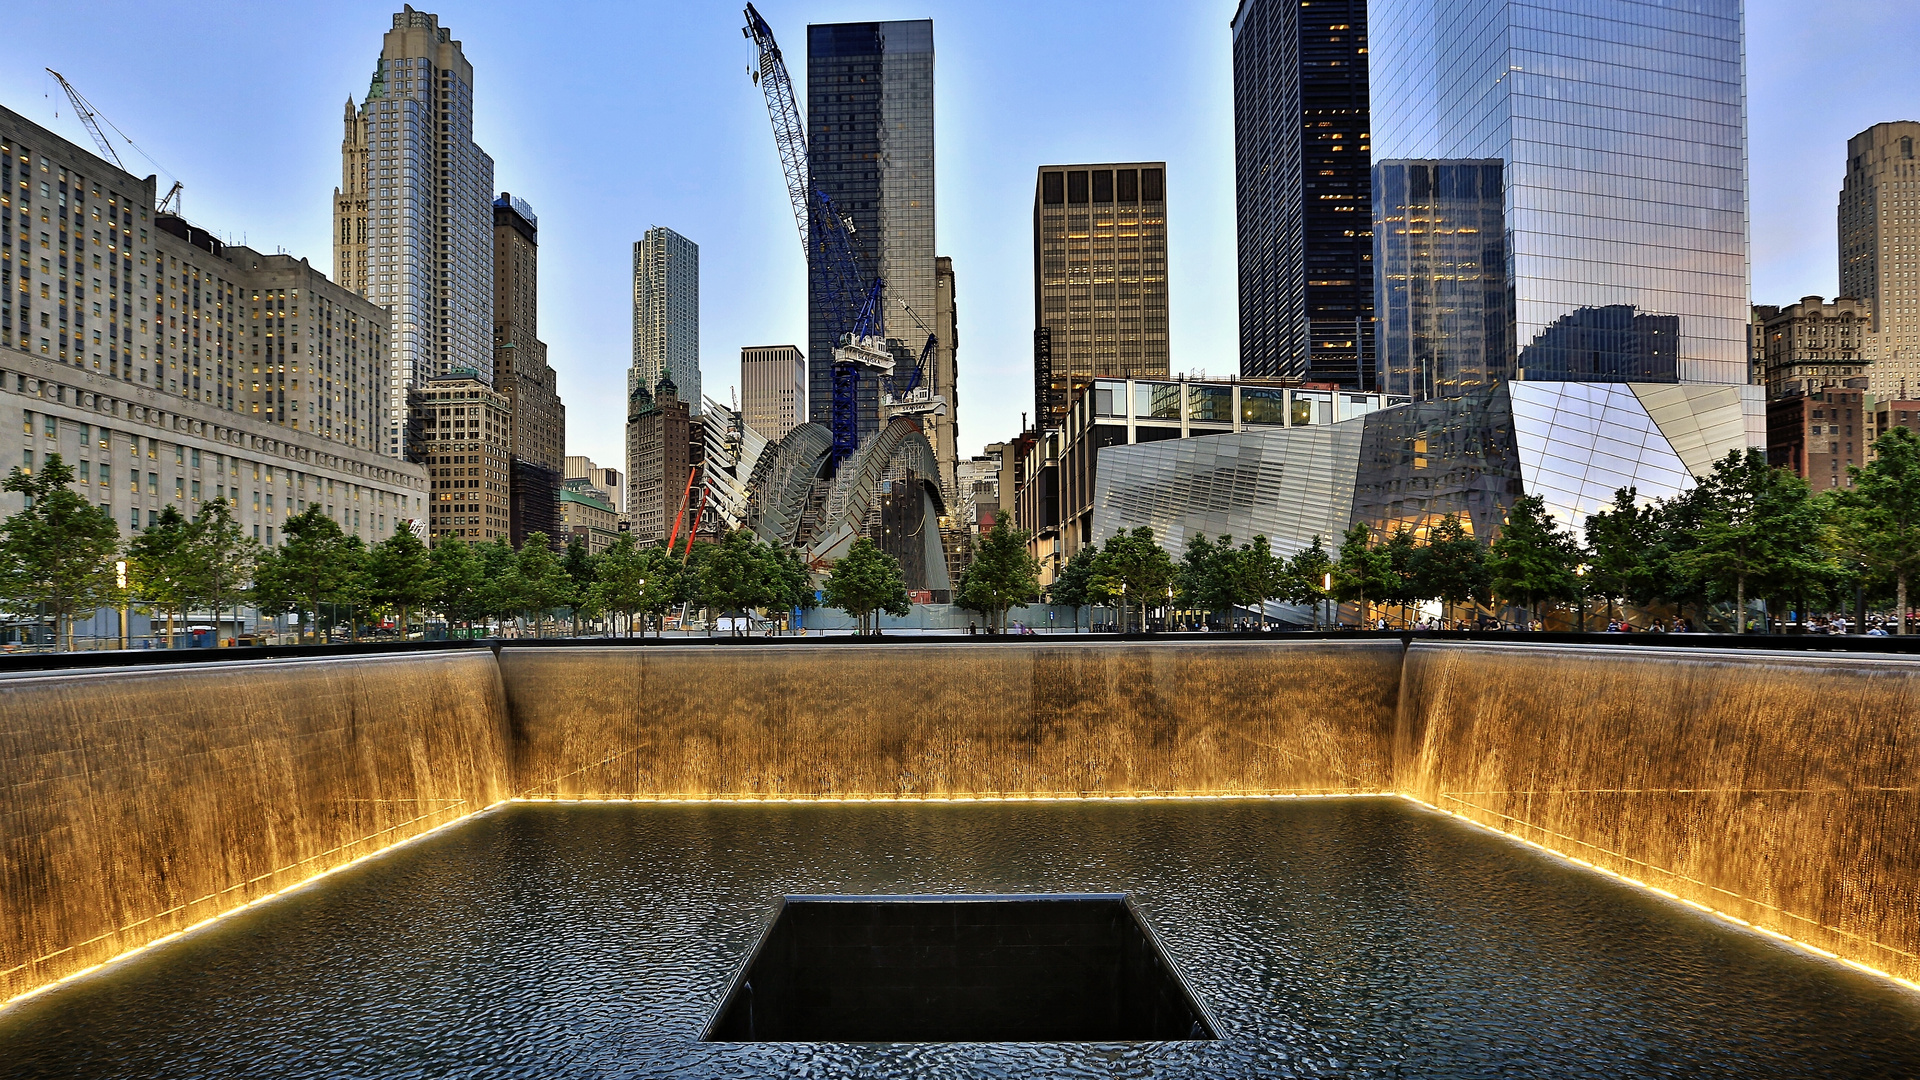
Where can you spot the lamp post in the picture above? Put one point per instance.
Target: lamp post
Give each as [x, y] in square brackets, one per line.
[126, 602]
[1326, 582]
[1123, 607]
[1169, 617]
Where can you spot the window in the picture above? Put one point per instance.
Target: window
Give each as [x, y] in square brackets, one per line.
[1077, 188]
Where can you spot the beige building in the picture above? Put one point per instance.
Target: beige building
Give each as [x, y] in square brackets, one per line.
[585, 514]
[412, 217]
[1813, 345]
[773, 389]
[1099, 278]
[169, 368]
[943, 430]
[521, 372]
[610, 483]
[658, 461]
[1880, 248]
[463, 432]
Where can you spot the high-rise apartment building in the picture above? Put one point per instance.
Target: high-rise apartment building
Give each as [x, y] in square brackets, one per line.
[1099, 278]
[413, 215]
[870, 149]
[773, 389]
[1880, 248]
[521, 371]
[169, 368]
[666, 314]
[1620, 132]
[1303, 186]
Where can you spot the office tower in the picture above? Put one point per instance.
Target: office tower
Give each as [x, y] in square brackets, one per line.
[169, 368]
[413, 215]
[1445, 317]
[666, 314]
[1099, 278]
[1620, 129]
[521, 371]
[773, 389]
[943, 431]
[1302, 183]
[462, 429]
[608, 482]
[658, 460]
[870, 149]
[1880, 248]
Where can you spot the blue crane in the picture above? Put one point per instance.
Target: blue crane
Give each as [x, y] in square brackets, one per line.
[833, 267]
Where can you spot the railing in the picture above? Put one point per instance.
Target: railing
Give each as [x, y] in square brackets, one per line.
[1885, 646]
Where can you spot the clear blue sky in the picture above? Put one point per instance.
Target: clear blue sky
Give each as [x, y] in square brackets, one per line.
[613, 117]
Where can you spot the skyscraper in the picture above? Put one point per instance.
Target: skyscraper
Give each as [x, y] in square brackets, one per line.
[870, 149]
[773, 388]
[521, 371]
[413, 219]
[1099, 278]
[1620, 129]
[1302, 179]
[666, 314]
[1880, 248]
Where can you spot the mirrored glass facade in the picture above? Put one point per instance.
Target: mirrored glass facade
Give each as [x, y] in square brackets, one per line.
[870, 149]
[1445, 312]
[1621, 128]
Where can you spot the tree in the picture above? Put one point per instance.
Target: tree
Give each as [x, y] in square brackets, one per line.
[1257, 575]
[456, 582]
[794, 582]
[540, 580]
[1133, 569]
[866, 582]
[400, 574]
[315, 565]
[220, 560]
[1758, 527]
[1073, 585]
[1876, 520]
[740, 575]
[160, 567]
[1532, 563]
[1003, 574]
[1308, 573]
[499, 593]
[1399, 584]
[1204, 576]
[1622, 545]
[58, 552]
[579, 564]
[1452, 566]
[1360, 571]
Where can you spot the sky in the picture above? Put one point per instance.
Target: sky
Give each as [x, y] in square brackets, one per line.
[610, 118]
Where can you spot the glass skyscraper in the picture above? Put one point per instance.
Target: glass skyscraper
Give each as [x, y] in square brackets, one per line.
[1301, 179]
[1620, 127]
[870, 150]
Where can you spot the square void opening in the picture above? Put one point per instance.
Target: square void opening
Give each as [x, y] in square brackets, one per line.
[1030, 968]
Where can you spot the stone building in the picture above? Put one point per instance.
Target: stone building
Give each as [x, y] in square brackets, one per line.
[412, 219]
[587, 516]
[658, 465]
[463, 433]
[608, 482]
[1814, 344]
[1880, 248]
[773, 389]
[1818, 433]
[169, 368]
[521, 371]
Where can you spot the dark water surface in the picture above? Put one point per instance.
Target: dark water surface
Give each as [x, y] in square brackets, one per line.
[1353, 938]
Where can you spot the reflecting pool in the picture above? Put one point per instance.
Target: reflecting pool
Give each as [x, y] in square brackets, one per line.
[1348, 937]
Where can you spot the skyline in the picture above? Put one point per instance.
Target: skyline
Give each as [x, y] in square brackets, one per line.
[579, 130]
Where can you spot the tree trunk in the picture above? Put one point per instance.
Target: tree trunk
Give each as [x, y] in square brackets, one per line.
[1740, 603]
[169, 628]
[1900, 597]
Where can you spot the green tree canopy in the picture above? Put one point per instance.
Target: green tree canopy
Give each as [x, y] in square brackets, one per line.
[1758, 530]
[1133, 569]
[456, 582]
[160, 569]
[1876, 520]
[1359, 575]
[1204, 576]
[400, 575]
[1623, 551]
[57, 554]
[540, 580]
[1451, 567]
[221, 559]
[315, 565]
[867, 582]
[1308, 572]
[1073, 586]
[1003, 574]
[741, 574]
[1533, 561]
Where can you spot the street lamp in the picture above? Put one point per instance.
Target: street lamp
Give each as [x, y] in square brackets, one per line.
[1169, 618]
[1123, 607]
[1326, 582]
[126, 603]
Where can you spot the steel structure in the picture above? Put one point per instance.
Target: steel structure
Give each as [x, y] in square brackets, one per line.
[833, 265]
[89, 119]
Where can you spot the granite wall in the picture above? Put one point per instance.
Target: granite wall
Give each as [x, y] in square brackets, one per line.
[137, 802]
[1781, 788]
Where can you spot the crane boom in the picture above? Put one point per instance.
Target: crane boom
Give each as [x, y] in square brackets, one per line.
[834, 276]
[89, 119]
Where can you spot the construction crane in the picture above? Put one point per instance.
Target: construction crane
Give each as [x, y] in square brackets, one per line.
[833, 265]
[905, 396]
[90, 118]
